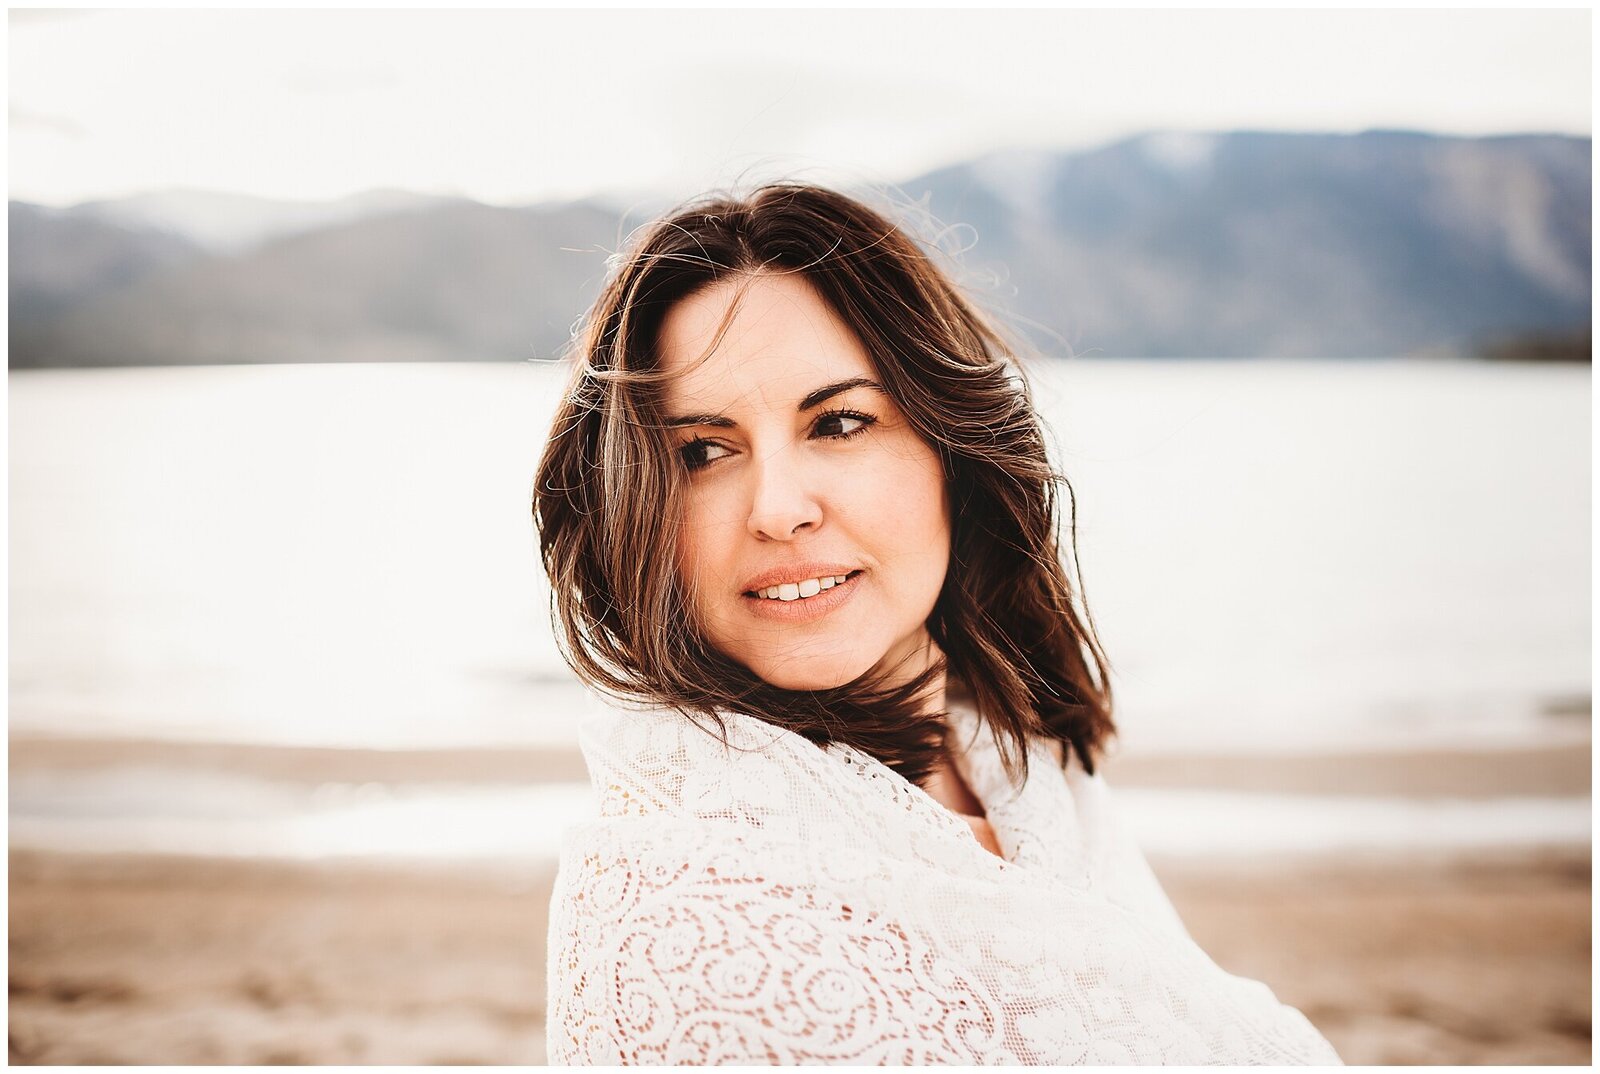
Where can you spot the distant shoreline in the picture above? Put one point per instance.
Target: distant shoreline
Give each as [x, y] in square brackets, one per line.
[1463, 773]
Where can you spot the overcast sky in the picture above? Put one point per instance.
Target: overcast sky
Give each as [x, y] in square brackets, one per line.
[514, 107]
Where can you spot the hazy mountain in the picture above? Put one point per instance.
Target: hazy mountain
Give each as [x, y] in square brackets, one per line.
[1239, 244]
[1250, 244]
[60, 259]
[461, 282]
[234, 223]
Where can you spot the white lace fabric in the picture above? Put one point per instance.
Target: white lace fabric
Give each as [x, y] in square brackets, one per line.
[785, 903]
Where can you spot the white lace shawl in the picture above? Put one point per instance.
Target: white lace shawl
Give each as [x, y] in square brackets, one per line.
[795, 904]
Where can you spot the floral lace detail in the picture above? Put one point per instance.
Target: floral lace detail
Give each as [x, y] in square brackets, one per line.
[778, 902]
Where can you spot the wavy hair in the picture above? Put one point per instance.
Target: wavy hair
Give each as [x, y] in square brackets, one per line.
[607, 500]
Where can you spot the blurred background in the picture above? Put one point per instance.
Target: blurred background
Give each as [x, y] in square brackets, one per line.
[291, 746]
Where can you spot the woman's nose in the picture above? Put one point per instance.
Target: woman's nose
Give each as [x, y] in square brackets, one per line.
[783, 502]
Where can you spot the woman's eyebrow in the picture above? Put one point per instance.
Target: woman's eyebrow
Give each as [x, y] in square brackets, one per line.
[701, 419]
[823, 394]
[815, 399]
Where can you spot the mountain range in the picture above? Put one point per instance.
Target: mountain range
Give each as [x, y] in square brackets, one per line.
[1235, 244]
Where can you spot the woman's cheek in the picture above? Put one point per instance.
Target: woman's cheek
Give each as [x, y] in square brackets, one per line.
[917, 478]
[701, 559]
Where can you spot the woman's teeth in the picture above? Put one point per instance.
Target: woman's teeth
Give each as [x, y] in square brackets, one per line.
[800, 590]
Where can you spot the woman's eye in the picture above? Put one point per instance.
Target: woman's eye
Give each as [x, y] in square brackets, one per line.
[842, 424]
[695, 455]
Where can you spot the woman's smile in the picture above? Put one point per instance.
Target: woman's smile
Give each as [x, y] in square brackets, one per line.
[808, 603]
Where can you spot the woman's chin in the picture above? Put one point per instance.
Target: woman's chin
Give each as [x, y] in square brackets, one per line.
[807, 682]
[821, 675]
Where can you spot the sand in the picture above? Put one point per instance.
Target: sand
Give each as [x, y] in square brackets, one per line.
[1465, 962]
[171, 960]
[149, 959]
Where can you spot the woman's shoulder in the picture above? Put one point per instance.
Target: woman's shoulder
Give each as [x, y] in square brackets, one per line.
[725, 766]
[664, 737]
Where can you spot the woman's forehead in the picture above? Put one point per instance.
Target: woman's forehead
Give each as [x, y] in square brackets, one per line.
[767, 339]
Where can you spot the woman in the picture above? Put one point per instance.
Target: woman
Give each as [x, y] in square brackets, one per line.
[797, 504]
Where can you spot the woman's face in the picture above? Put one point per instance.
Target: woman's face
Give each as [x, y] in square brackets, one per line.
[797, 476]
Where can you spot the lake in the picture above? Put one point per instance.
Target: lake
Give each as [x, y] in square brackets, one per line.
[1279, 555]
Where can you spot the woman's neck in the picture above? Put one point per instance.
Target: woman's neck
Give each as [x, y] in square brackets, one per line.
[945, 786]
[943, 782]
[925, 654]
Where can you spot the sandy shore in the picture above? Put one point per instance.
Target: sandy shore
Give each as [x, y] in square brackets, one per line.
[150, 959]
[1436, 961]
[1465, 773]
[170, 960]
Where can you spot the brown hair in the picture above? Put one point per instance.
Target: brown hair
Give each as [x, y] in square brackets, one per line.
[607, 495]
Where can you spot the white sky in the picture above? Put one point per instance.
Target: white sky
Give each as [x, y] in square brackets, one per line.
[518, 106]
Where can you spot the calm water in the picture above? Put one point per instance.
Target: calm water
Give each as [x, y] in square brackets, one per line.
[1277, 554]
[132, 810]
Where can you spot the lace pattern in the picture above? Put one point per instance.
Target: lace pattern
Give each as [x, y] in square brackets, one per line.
[783, 903]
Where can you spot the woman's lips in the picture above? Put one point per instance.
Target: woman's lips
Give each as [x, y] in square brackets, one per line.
[805, 609]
